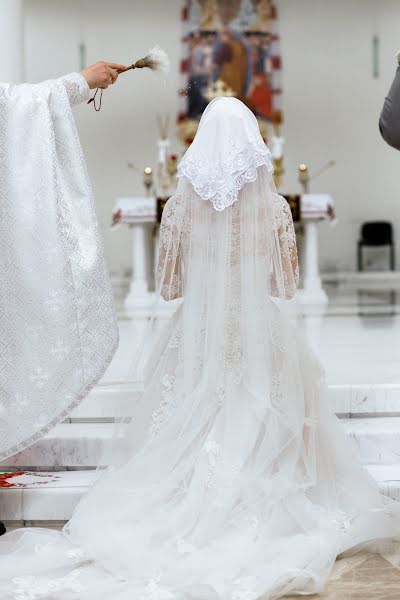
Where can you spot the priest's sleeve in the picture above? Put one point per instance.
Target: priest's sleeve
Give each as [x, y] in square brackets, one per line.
[58, 330]
[389, 121]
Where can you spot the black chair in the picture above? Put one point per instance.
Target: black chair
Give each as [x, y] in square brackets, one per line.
[376, 233]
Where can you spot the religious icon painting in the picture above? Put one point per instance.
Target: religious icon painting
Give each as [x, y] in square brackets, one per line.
[230, 48]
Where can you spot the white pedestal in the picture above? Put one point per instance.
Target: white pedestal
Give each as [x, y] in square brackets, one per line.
[139, 213]
[313, 297]
[11, 41]
[140, 300]
[312, 292]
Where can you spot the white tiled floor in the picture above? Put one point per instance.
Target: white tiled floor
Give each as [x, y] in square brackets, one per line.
[361, 350]
[359, 337]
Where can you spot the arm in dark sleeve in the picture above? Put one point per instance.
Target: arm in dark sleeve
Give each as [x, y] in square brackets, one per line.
[389, 121]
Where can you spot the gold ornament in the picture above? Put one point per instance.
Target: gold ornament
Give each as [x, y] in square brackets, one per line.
[218, 89]
[278, 172]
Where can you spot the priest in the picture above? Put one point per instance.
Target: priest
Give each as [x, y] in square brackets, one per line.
[58, 330]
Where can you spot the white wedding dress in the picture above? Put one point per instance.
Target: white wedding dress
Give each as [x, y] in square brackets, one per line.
[233, 481]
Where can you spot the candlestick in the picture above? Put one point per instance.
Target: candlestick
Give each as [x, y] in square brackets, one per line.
[304, 177]
[148, 179]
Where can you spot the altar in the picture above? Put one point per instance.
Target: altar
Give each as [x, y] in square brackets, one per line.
[140, 214]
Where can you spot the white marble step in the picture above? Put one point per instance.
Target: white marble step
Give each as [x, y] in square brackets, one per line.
[76, 445]
[107, 401]
[369, 400]
[52, 497]
[67, 445]
[378, 439]
[45, 500]
[365, 400]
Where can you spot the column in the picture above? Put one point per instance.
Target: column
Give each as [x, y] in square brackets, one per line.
[139, 287]
[312, 292]
[312, 296]
[11, 41]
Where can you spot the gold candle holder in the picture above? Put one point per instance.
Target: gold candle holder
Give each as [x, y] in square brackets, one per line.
[148, 179]
[278, 172]
[304, 177]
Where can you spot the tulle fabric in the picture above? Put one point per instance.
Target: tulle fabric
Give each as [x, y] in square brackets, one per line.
[233, 476]
[233, 481]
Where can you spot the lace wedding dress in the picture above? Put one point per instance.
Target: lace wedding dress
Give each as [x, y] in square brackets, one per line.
[233, 481]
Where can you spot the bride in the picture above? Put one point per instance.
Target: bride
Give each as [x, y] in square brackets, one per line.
[233, 481]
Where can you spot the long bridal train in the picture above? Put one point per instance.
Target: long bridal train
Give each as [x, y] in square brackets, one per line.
[233, 481]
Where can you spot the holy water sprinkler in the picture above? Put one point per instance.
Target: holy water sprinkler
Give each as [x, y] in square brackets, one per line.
[156, 59]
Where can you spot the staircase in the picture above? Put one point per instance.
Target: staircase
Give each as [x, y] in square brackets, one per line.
[62, 464]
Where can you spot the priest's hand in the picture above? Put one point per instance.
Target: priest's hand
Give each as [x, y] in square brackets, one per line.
[102, 74]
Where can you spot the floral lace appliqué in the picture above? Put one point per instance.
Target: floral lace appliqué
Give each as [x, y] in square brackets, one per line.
[239, 168]
[33, 588]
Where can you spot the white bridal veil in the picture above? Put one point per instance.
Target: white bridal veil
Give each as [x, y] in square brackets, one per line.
[227, 246]
[233, 481]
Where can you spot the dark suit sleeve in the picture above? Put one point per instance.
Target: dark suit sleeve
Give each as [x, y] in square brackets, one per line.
[389, 121]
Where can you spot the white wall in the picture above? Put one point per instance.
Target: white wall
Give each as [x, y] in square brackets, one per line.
[331, 108]
[125, 129]
[331, 101]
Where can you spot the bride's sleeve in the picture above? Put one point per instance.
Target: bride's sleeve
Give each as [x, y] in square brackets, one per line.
[169, 271]
[284, 283]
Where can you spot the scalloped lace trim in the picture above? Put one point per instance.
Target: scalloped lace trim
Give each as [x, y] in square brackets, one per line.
[221, 183]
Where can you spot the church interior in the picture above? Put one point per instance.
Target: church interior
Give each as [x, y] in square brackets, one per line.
[316, 75]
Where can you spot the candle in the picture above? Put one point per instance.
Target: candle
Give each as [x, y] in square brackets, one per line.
[148, 179]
